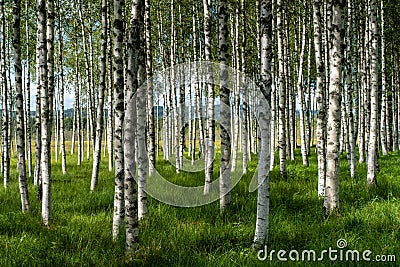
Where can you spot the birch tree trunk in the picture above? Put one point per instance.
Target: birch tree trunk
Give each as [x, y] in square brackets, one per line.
[266, 55]
[245, 131]
[61, 92]
[300, 94]
[373, 46]
[101, 90]
[181, 97]
[282, 88]
[396, 103]
[367, 80]
[56, 122]
[309, 110]
[118, 33]
[110, 97]
[384, 109]
[336, 35]
[196, 98]
[361, 137]
[236, 92]
[130, 124]
[23, 186]
[78, 107]
[28, 92]
[150, 98]
[142, 159]
[274, 92]
[320, 97]
[350, 91]
[173, 90]
[210, 131]
[44, 112]
[223, 56]
[5, 116]
[50, 65]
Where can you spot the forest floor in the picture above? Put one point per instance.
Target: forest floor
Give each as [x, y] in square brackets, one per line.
[80, 230]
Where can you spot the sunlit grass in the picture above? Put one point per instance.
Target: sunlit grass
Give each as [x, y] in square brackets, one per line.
[80, 231]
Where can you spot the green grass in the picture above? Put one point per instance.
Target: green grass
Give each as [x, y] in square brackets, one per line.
[80, 231]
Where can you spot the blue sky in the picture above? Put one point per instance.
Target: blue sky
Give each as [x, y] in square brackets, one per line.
[68, 98]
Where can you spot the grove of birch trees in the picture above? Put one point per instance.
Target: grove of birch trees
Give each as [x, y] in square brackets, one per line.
[312, 78]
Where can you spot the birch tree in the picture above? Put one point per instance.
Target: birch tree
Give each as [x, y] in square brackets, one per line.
[224, 182]
[282, 89]
[245, 131]
[130, 125]
[5, 114]
[61, 91]
[44, 111]
[266, 55]
[141, 113]
[28, 91]
[50, 59]
[118, 33]
[173, 96]
[373, 47]
[110, 97]
[300, 94]
[336, 33]
[210, 124]
[350, 91]
[384, 109]
[23, 186]
[320, 97]
[236, 91]
[150, 98]
[101, 90]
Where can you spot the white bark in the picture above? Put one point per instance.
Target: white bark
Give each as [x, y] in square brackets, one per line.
[261, 231]
[131, 120]
[5, 114]
[320, 98]
[210, 128]
[300, 94]
[28, 93]
[23, 186]
[101, 90]
[44, 114]
[224, 182]
[245, 130]
[373, 46]
[336, 32]
[384, 109]
[119, 210]
[142, 159]
[282, 88]
[150, 97]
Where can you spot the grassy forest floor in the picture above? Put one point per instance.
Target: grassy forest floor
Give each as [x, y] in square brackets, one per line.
[80, 231]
